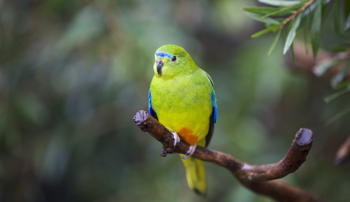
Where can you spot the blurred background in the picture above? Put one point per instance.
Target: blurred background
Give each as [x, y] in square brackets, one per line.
[73, 74]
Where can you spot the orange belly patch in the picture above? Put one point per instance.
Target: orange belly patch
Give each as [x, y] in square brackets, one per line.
[187, 136]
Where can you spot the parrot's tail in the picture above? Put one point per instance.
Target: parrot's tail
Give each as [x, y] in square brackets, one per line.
[195, 175]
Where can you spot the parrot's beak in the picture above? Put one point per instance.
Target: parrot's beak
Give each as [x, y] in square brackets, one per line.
[159, 66]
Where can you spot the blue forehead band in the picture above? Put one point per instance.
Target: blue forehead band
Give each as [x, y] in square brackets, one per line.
[163, 54]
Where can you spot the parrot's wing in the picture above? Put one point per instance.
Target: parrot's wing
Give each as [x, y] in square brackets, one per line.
[150, 108]
[214, 114]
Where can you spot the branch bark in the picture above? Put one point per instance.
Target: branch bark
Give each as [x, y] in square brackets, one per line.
[296, 13]
[258, 178]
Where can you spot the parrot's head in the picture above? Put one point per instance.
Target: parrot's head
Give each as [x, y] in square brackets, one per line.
[172, 60]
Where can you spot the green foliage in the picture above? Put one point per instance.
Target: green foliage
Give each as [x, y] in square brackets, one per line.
[315, 20]
[307, 16]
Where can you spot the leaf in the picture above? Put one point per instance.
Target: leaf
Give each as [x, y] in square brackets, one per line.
[272, 28]
[279, 2]
[338, 17]
[347, 23]
[338, 78]
[273, 11]
[306, 33]
[309, 9]
[267, 21]
[316, 28]
[292, 53]
[291, 34]
[338, 116]
[335, 95]
[283, 10]
[274, 43]
[343, 84]
[260, 10]
[324, 66]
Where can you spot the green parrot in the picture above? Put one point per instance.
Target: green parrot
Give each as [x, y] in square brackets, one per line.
[182, 98]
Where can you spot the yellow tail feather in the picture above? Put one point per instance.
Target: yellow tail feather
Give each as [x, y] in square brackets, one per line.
[195, 175]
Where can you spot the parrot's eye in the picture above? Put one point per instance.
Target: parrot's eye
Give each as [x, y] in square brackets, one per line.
[173, 58]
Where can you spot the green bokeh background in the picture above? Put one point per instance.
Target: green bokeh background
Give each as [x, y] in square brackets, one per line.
[73, 73]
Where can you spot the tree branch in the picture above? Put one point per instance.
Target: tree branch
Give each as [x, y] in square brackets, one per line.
[296, 13]
[258, 178]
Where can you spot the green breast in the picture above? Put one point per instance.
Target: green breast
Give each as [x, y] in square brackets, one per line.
[183, 101]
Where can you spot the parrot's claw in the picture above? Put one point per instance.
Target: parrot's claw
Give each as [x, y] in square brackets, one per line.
[190, 151]
[176, 138]
[170, 148]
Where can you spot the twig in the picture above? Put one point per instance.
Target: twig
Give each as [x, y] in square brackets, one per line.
[296, 13]
[343, 153]
[258, 178]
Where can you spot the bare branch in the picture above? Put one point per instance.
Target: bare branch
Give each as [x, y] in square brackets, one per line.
[258, 178]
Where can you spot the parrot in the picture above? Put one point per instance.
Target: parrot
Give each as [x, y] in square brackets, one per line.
[182, 98]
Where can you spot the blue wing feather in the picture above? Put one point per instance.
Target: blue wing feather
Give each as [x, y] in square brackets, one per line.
[214, 114]
[150, 108]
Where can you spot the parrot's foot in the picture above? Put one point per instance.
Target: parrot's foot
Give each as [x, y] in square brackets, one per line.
[190, 151]
[170, 149]
[176, 138]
